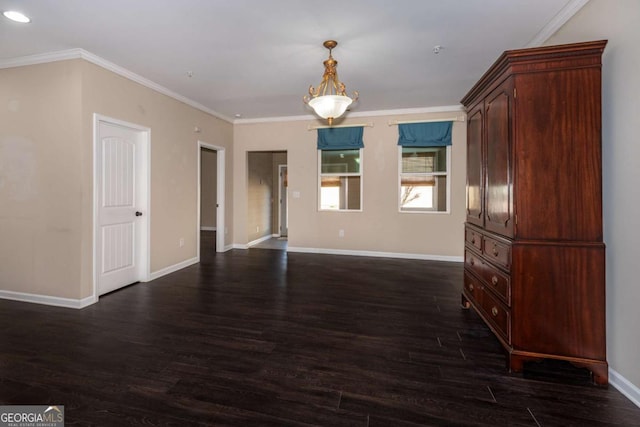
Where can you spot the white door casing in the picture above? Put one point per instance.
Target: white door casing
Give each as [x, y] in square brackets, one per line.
[121, 210]
[283, 218]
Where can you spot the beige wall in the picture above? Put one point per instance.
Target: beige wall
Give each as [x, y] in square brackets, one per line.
[174, 156]
[41, 181]
[617, 21]
[379, 227]
[46, 175]
[208, 188]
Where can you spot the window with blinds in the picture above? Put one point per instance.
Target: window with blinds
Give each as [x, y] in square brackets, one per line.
[340, 180]
[423, 179]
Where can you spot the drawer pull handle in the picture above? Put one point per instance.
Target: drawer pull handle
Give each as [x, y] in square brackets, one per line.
[494, 311]
[495, 250]
[473, 240]
[471, 287]
[472, 261]
[494, 280]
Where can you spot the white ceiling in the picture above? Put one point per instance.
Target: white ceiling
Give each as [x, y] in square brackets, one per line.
[257, 58]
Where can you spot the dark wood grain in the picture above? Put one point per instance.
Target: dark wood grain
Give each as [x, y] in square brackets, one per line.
[266, 338]
[537, 278]
[475, 169]
[498, 168]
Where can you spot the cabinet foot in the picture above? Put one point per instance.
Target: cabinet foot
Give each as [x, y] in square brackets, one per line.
[464, 302]
[599, 370]
[516, 363]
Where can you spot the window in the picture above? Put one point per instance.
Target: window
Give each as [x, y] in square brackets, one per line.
[424, 177]
[340, 179]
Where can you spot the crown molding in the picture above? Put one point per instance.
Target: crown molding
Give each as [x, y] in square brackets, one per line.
[376, 113]
[557, 22]
[64, 55]
[78, 53]
[41, 58]
[275, 119]
[402, 111]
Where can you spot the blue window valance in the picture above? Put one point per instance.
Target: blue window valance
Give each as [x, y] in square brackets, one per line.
[347, 138]
[428, 134]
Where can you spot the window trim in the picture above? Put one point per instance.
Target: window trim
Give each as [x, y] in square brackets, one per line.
[340, 174]
[447, 174]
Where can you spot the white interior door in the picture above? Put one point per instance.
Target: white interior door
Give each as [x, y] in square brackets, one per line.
[121, 196]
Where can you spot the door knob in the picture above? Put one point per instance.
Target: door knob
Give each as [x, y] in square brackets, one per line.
[138, 213]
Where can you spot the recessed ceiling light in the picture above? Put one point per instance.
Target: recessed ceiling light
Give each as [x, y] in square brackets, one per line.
[238, 115]
[17, 16]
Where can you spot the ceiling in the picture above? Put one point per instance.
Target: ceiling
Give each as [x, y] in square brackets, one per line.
[257, 58]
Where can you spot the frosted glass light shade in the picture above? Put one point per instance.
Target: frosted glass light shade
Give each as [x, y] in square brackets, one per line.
[17, 16]
[330, 106]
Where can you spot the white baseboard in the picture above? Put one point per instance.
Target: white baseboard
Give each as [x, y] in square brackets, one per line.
[207, 228]
[260, 240]
[624, 386]
[48, 300]
[376, 254]
[227, 248]
[239, 246]
[172, 268]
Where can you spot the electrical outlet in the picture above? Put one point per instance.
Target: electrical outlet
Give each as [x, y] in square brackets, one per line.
[341, 233]
[181, 242]
[257, 228]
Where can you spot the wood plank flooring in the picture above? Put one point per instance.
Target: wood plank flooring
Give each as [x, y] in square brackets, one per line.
[266, 338]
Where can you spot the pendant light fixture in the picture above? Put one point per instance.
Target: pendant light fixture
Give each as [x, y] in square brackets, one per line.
[330, 99]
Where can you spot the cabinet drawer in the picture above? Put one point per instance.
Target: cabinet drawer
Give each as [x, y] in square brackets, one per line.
[498, 252]
[473, 238]
[472, 288]
[474, 263]
[497, 314]
[498, 281]
[490, 275]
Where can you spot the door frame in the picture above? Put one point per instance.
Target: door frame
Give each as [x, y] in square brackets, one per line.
[280, 198]
[143, 200]
[220, 195]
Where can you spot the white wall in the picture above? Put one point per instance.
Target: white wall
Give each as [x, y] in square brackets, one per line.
[619, 22]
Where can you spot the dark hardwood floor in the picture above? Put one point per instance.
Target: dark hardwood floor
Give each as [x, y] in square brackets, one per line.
[266, 338]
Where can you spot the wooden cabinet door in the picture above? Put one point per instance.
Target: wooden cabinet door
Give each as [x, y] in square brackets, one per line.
[498, 169]
[475, 175]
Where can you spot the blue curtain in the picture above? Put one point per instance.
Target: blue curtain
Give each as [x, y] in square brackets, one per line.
[340, 138]
[430, 134]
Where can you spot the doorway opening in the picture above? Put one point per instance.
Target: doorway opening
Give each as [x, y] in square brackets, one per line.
[211, 198]
[267, 200]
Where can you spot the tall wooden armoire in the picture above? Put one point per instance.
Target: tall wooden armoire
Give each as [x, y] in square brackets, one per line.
[534, 253]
